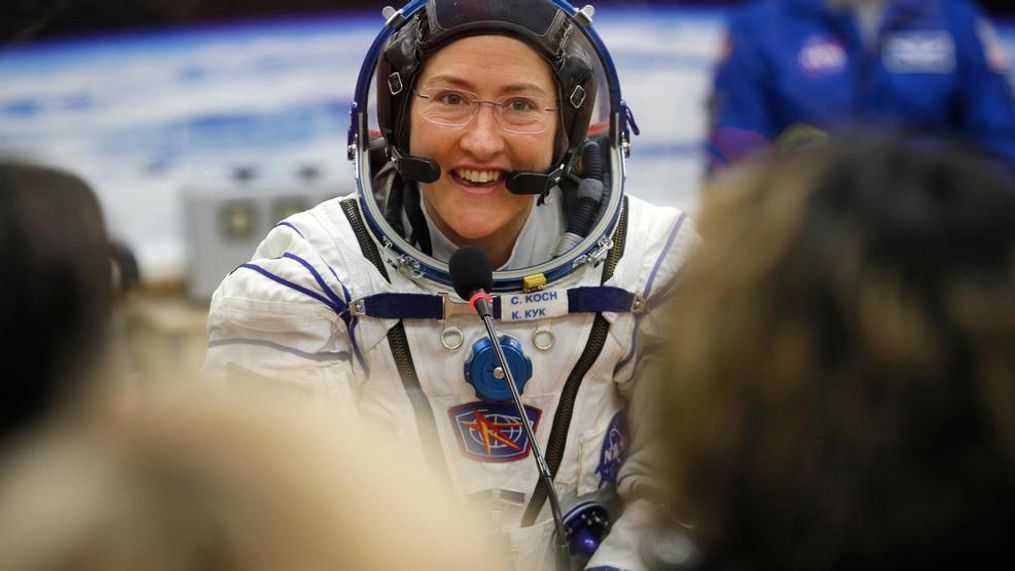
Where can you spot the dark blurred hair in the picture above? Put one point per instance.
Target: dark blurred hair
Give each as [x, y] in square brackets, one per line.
[55, 291]
[842, 371]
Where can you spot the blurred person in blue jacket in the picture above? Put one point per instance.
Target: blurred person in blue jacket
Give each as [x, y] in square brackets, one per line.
[932, 66]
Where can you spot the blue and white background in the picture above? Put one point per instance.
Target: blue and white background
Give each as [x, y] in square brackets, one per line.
[145, 117]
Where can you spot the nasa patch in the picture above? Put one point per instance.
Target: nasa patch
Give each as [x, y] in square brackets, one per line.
[611, 456]
[821, 55]
[492, 432]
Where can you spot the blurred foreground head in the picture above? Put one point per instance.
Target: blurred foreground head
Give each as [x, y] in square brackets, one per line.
[55, 293]
[202, 483]
[842, 371]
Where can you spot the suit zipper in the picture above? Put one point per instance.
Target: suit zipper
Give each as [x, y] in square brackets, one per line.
[557, 441]
[398, 342]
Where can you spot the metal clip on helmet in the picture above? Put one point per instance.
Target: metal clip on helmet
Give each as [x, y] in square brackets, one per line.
[586, 85]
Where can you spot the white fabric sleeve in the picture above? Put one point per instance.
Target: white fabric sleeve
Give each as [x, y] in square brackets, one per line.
[670, 243]
[278, 322]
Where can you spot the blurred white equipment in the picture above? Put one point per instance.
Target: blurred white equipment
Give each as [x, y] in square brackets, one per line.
[224, 225]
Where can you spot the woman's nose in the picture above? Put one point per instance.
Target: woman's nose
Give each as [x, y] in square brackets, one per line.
[483, 136]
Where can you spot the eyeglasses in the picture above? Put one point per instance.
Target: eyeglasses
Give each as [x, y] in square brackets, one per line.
[514, 113]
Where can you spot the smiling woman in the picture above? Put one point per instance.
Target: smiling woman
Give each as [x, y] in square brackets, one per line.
[470, 203]
[499, 125]
[505, 179]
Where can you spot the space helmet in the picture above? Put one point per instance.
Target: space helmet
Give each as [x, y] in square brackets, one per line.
[590, 147]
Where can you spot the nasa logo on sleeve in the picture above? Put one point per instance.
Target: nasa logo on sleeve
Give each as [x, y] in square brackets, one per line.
[492, 432]
[614, 449]
[822, 55]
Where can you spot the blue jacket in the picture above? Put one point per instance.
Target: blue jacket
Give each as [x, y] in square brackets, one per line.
[935, 67]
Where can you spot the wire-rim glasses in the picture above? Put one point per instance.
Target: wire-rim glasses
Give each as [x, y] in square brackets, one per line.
[452, 107]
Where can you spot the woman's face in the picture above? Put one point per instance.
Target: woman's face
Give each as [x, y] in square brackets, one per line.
[469, 202]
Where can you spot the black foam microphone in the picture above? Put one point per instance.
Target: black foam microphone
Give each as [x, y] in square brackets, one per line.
[415, 169]
[472, 279]
[532, 182]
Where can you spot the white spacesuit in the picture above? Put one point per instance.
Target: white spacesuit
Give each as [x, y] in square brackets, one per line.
[351, 299]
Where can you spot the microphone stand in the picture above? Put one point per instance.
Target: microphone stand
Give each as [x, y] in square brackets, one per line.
[481, 302]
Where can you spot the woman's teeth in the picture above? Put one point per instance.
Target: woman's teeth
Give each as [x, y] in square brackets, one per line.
[478, 177]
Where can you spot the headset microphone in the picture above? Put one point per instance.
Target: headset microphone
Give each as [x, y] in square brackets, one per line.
[472, 279]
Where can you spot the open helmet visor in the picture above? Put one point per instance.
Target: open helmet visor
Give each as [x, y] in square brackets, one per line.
[592, 117]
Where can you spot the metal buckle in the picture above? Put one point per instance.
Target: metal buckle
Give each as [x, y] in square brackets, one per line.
[395, 83]
[357, 307]
[405, 260]
[400, 261]
[595, 257]
[577, 96]
[454, 307]
[639, 304]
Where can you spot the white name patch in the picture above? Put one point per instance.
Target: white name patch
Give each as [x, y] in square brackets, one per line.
[919, 52]
[535, 305]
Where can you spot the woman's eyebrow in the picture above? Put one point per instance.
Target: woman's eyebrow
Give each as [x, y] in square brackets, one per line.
[524, 86]
[457, 81]
[448, 79]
